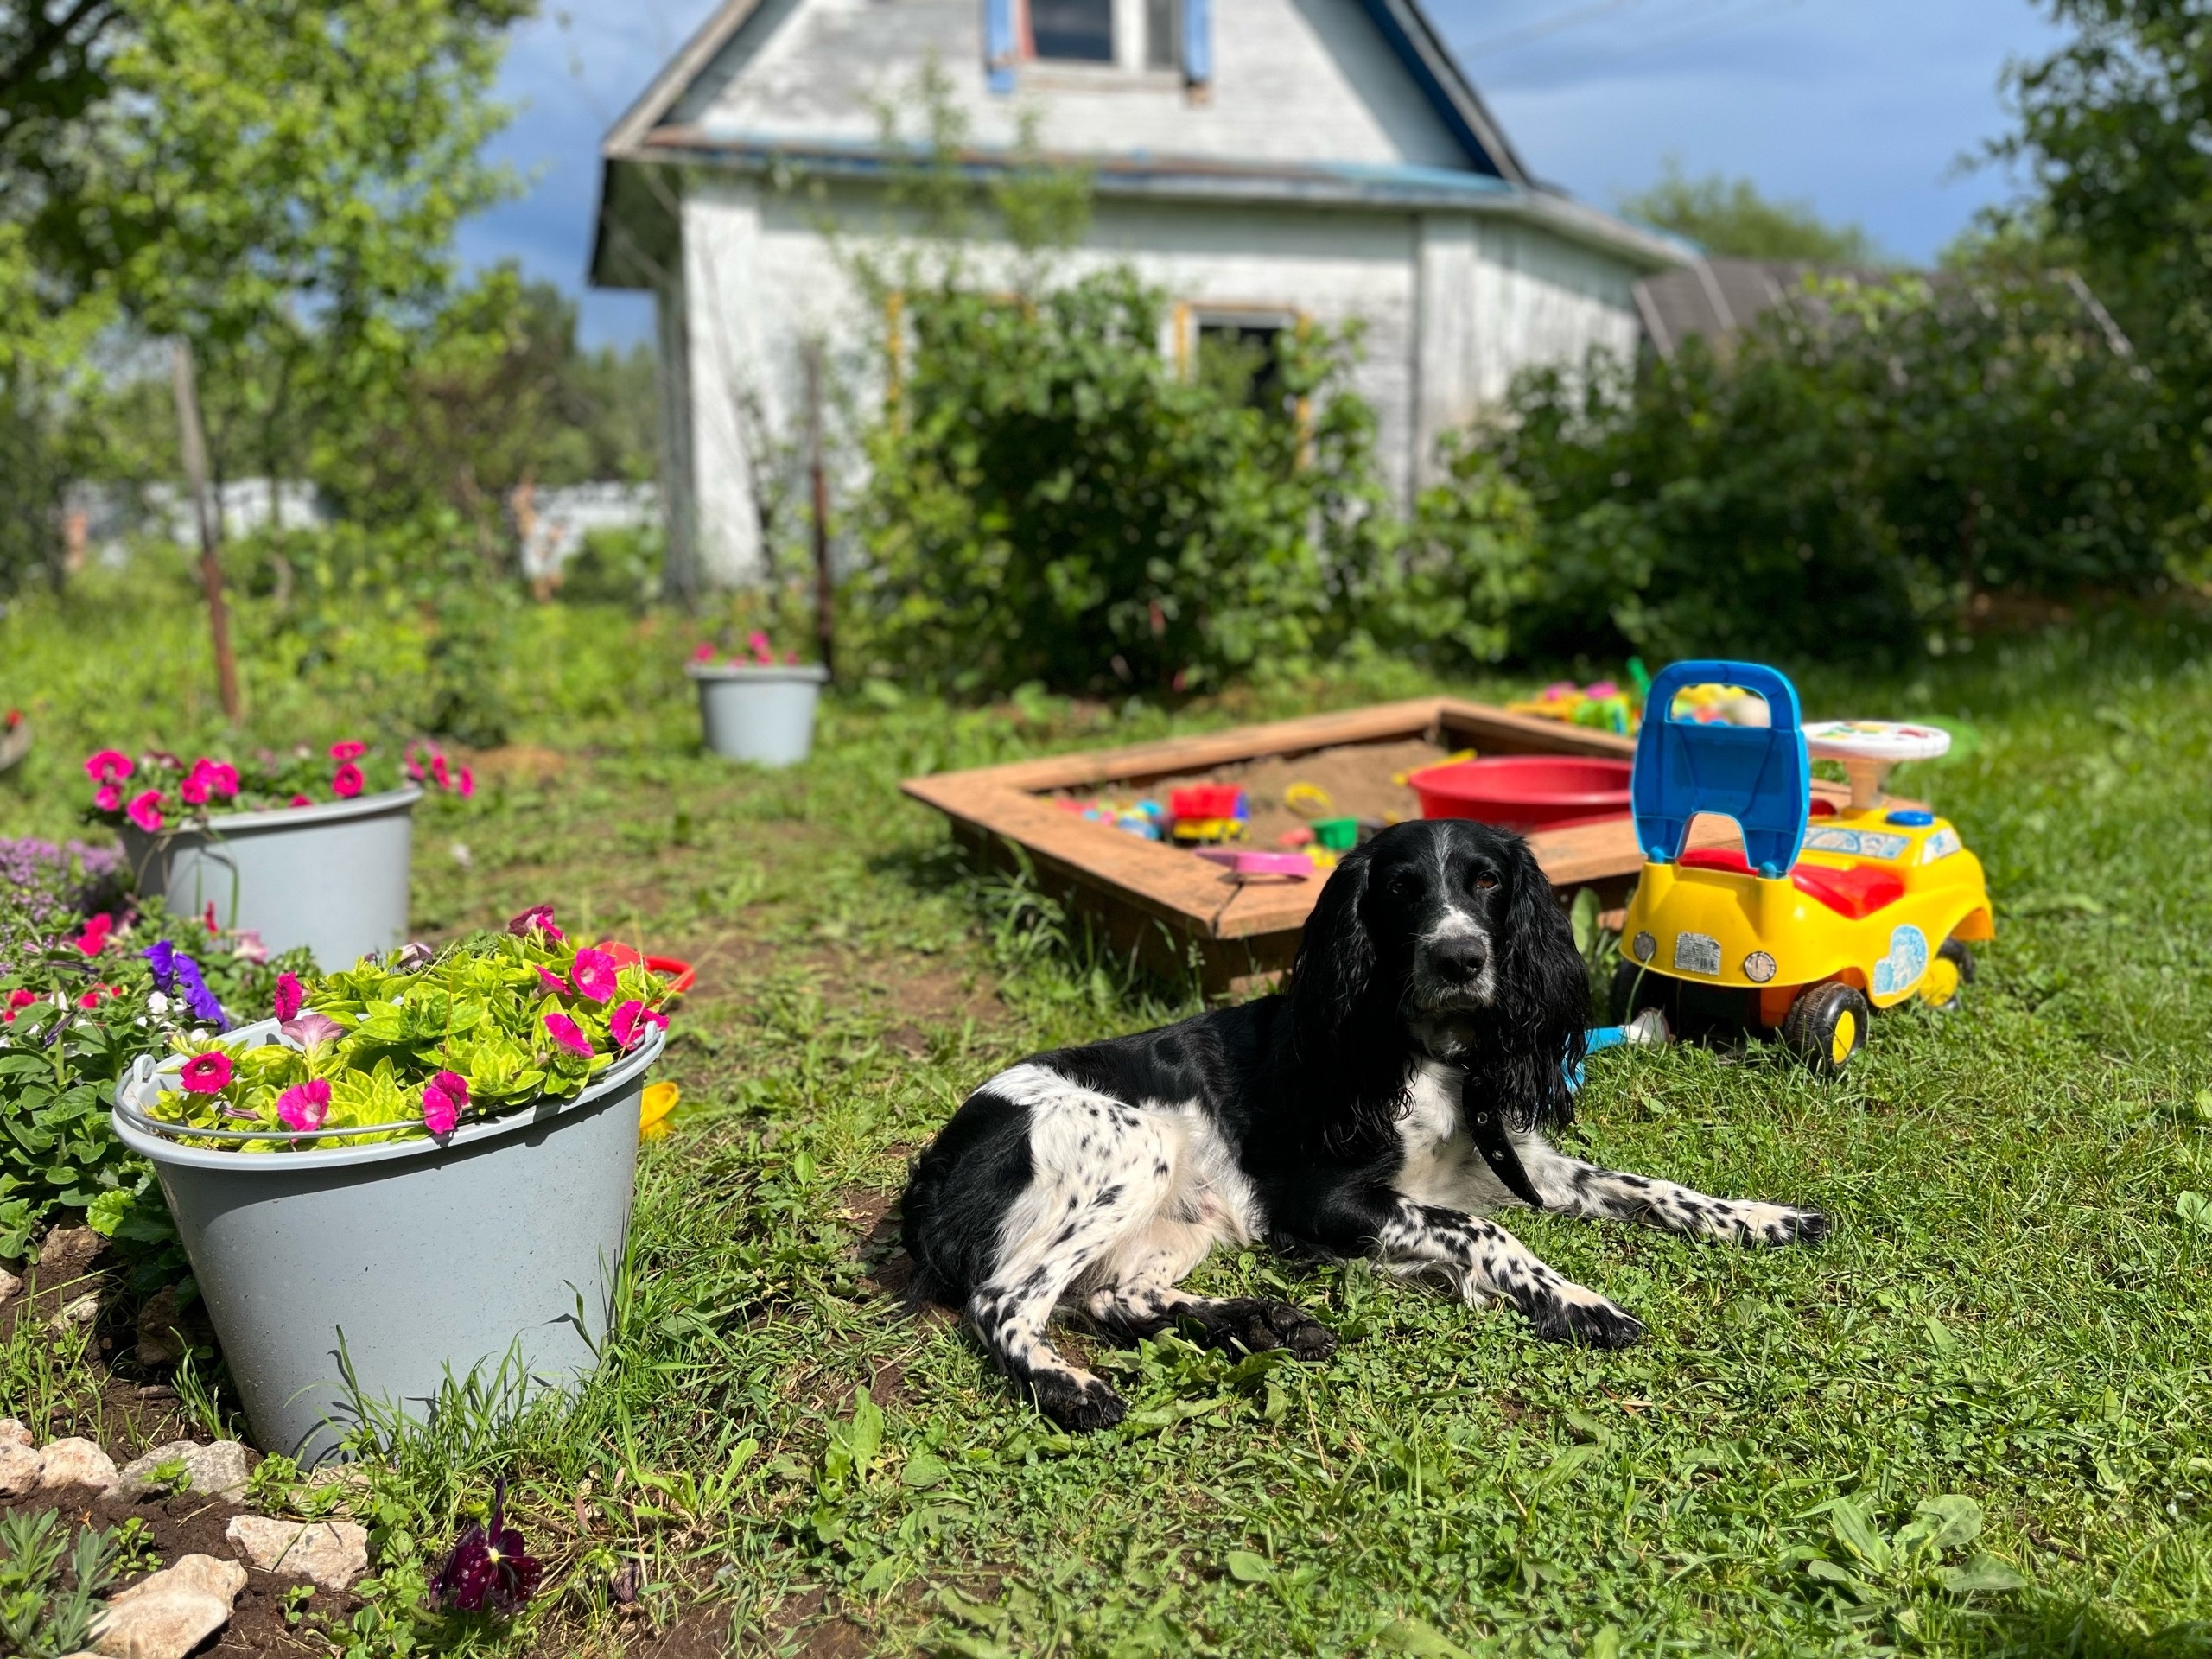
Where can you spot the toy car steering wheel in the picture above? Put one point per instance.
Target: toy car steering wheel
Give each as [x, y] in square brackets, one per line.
[1868, 748]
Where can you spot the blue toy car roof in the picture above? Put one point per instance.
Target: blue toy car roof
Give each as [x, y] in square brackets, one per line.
[1760, 776]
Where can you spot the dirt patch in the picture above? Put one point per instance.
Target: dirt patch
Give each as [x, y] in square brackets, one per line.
[188, 1525]
[1359, 779]
[518, 763]
[702, 1634]
[834, 1637]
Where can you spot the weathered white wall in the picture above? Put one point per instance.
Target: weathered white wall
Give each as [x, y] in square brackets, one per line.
[1449, 307]
[761, 278]
[1497, 297]
[1295, 80]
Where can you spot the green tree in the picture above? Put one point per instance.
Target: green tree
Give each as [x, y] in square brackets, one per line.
[2116, 128]
[1726, 216]
[277, 183]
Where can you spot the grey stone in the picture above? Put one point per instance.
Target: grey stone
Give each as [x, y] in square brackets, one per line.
[76, 1462]
[332, 1552]
[219, 1469]
[80, 1310]
[9, 1284]
[137, 1475]
[19, 1469]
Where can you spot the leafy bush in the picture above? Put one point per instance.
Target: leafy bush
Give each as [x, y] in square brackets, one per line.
[1845, 477]
[1051, 500]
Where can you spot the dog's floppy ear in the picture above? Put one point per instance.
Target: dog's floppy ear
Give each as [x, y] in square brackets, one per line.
[1540, 1019]
[1330, 976]
[1347, 1041]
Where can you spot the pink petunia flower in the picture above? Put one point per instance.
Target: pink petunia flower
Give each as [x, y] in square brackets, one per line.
[538, 918]
[291, 995]
[248, 947]
[593, 975]
[145, 811]
[299, 800]
[109, 798]
[554, 982]
[304, 1105]
[630, 1021]
[311, 1030]
[93, 940]
[567, 1033]
[439, 772]
[346, 782]
[89, 1000]
[17, 999]
[445, 1097]
[762, 651]
[207, 1074]
[703, 651]
[348, 750]
[108, 767]
[194, 791]
[465, 782]
[222, 778]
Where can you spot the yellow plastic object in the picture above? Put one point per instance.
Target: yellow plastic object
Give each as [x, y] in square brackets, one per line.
[1737, 931]
[654, 1107]
[1308, 800]
[1207, 830]
[1400, 778]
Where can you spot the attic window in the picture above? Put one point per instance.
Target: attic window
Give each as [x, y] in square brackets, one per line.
[1073, 31]
[1144, 37]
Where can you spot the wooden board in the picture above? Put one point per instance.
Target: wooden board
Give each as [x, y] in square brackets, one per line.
[1179, 913]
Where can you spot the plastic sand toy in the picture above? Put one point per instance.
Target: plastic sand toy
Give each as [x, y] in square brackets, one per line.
[1823, 916]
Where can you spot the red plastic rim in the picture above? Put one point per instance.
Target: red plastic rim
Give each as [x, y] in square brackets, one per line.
[1526, 791]
[681, 972]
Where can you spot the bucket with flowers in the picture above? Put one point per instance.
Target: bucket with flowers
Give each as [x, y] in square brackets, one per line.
[755, 707]
[417, 1168]
[303, 848]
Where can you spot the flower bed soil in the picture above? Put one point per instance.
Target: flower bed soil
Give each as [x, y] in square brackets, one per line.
[190, 1524]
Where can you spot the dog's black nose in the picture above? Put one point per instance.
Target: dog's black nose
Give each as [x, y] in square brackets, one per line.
[1458, 960]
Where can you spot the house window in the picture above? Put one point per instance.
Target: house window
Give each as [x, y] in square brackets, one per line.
[1071, 31]
[1241, 358]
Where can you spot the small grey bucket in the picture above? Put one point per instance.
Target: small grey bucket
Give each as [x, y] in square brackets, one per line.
[760, 713]
[406, 1261]
[332, 877]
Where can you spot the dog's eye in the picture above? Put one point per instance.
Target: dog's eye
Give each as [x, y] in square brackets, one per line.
[1485, 880]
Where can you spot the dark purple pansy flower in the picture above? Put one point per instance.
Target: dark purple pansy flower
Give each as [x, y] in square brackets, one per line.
[488, 1568]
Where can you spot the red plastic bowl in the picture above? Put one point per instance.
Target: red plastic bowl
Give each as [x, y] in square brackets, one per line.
[683, 972]
[1525, 792]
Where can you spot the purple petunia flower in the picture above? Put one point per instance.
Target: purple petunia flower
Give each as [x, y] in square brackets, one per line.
[197, 996]
[162, 955]
[489, 1569]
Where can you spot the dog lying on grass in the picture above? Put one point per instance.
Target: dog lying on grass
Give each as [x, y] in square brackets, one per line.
[1379, 1107]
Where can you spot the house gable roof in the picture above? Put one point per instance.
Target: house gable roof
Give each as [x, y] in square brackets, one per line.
[1468, 162]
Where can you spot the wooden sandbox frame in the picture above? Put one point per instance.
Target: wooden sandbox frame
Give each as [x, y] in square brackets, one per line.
[1158, 901]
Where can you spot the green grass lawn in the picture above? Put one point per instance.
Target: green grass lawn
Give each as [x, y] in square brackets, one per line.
[2013, 1310]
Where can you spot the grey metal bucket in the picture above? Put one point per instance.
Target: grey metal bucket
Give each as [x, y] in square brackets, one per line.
[413, 1260]
[332, 877]
[761, 714]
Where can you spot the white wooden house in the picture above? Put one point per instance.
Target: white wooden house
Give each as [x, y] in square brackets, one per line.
[1259, 161]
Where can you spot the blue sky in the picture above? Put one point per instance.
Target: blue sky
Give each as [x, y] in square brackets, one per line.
[1865, 107]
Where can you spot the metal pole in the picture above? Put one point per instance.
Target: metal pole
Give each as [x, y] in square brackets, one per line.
[211, 569]
[825, 629]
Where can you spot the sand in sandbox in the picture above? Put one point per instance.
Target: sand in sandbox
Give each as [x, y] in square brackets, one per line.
[1357, 777]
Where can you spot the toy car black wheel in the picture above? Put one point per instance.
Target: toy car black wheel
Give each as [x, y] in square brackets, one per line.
[1950, 973]
[1826, 1025]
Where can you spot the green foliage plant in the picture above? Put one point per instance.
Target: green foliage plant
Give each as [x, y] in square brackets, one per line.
[1845, 477]
[43, 1616]
[1052, 498]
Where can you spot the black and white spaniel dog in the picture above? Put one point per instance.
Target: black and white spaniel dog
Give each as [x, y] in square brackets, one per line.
[1378, 1107]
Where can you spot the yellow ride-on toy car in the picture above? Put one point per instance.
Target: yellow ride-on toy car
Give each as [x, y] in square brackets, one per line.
[1825, 915]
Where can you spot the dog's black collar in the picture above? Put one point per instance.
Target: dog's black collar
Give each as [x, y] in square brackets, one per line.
[1486, 1128]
